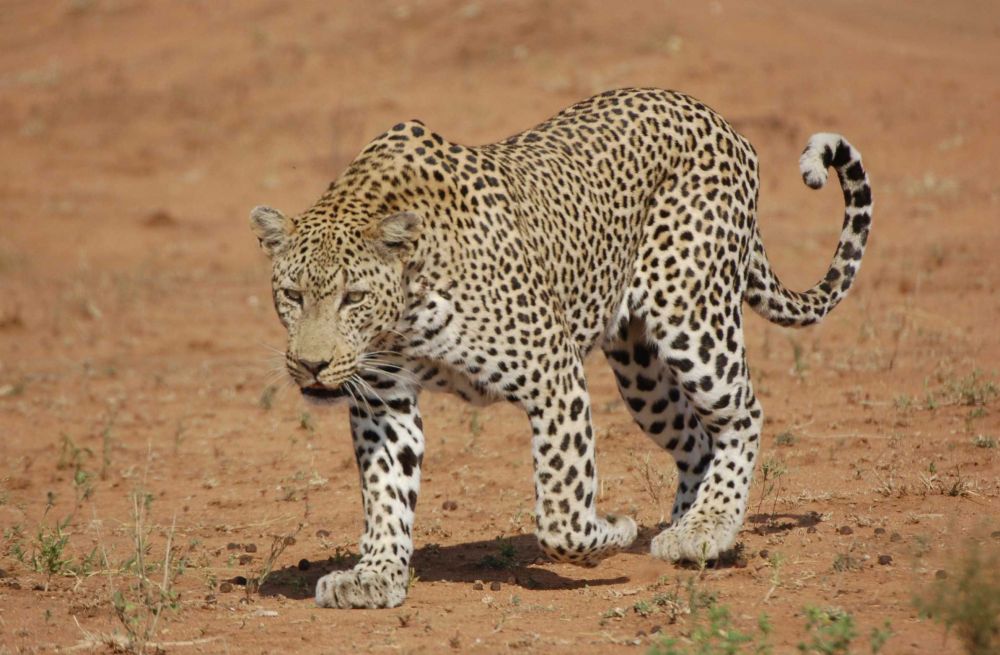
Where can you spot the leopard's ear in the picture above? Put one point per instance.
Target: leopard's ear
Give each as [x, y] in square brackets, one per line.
[271, 228]
[396, 236]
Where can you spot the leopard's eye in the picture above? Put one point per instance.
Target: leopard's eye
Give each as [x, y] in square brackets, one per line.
[293, 296]
[354, 297]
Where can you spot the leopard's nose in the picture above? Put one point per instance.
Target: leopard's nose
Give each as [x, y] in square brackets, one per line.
[314, 367]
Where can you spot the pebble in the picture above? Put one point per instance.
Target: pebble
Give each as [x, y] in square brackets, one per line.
[449, 505]
[304, 565]
[322, 534]
[885, 560]
[941, 574]
[995, 534]
[845, 530]
[478, 585]
[246, 559]
[880, 531]
[232, 546]
[895, 537]
[764, 554]
[811, 529]
[250, 548]
[495, 585]
[265, 613]
[225, 587]
[239, 580]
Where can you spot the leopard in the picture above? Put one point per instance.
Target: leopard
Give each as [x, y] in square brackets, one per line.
[626, 223]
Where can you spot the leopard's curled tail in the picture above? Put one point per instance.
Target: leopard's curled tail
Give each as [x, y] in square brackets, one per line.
[765, 293]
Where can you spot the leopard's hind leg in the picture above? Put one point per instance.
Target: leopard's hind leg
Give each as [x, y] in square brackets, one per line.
[660, 407]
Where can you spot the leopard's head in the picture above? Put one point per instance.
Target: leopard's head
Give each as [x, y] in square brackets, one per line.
[338, 289]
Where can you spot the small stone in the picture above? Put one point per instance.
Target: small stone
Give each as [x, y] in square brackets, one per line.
[15, 585]
[511, 580]
[811, 529]
[495, 585]
[209, 598]
[289, 540]
[250, 548]
[38, 587]
[879, 531]
[232, 546]
[845, 530]
[764, 554]
[895, 537]
[449, 505]
[478, 585]
[245, 559]
[995, 534]
[940, 574]
[304, 564]
[3, 574]
[322, 534]
[885, 560]
[656, 629]
[239, 580]
[225, 587]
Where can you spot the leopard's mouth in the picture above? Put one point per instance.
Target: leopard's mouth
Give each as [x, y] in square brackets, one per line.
[323, 393]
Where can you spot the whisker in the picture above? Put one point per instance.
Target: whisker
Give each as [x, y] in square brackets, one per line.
[405, 379]
[369, 388]
[355, 380]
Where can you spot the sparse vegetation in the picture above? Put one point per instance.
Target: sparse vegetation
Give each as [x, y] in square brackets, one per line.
[984, 441]
[257, 576]
[966, 599]
[785, 439]
[772, 470]
[831, 631]
[142, 602]
[505, 557]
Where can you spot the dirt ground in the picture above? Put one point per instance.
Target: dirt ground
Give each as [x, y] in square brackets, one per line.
[137, 337]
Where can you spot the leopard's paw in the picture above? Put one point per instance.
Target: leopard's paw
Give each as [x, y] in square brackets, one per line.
[360, 589]
[692, 540]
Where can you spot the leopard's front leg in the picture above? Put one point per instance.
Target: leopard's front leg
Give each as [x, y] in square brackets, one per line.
[389, 448]
[567, 524]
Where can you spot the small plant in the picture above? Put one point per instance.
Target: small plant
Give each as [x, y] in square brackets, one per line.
[47, 552]
[267, 397]
[716, 635]
[655, 482]
[504, 559]
[141, 604]
[983, 441]
[772, 470]
[73, 458]
[307, 422]
[785, 439]
[831, 631]
[973, 390]
[643, 608]
[844, 562]
[279, 543]
[967, 600]
[798, 357]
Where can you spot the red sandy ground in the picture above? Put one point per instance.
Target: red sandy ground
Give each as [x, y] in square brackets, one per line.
[135, 318]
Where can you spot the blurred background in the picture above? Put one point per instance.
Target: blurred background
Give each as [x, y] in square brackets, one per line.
[136, 323]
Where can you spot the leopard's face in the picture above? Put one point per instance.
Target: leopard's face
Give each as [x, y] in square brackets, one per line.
[338, 290]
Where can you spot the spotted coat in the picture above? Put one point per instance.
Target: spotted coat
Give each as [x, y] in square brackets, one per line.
[626, 222]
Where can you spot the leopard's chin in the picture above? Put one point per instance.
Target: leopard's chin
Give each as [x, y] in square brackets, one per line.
[323, 395]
